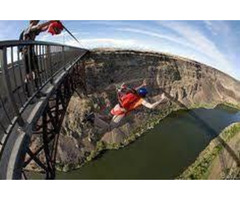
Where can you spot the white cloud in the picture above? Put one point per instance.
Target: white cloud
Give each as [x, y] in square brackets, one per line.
[104, 42]
[202, 44]
[90, 42]
[160, 36]
[210, 27]
[217, 27]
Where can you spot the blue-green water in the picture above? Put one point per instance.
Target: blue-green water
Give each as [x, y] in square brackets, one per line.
[164, 151]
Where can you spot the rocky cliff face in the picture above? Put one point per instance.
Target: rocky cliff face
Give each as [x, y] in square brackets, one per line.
[186, 80]
[187, 84]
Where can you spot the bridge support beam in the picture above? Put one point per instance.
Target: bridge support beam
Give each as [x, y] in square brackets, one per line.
[35, 145]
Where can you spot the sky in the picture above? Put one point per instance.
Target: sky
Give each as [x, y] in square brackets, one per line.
[215, 43]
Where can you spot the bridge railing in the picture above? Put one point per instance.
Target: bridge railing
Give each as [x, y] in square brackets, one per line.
[25, 69]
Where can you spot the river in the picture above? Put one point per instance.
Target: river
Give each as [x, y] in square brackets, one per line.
[164, 151]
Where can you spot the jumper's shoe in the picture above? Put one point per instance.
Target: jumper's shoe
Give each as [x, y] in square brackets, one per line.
[89, 118]
[122, 87]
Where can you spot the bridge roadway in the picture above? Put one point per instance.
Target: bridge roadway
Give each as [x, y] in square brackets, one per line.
[55, 84]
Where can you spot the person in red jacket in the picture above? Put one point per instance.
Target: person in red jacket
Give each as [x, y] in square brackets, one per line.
[129, 99]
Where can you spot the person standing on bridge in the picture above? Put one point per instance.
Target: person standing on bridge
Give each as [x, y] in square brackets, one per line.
[129, 99]
[28, 53]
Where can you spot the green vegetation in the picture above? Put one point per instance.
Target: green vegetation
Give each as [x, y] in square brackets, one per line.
[201, 167]
[100, 146]
[233, 106]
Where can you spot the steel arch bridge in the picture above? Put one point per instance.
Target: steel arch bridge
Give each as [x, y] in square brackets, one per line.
[37, 80]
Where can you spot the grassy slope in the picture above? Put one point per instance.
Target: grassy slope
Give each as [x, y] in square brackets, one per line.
[208, 159]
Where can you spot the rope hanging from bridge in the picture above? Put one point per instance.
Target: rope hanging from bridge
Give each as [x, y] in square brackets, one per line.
[72, 35]
[56, 27]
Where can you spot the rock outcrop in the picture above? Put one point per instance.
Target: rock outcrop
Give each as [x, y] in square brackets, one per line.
[187, 84]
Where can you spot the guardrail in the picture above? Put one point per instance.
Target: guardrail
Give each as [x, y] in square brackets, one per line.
[25, 68]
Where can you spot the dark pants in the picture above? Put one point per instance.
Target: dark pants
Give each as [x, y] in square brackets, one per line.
[31, 67]
[30, 60]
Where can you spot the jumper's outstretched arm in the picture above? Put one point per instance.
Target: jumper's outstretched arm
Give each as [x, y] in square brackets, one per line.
[153, 105]
[142, 85]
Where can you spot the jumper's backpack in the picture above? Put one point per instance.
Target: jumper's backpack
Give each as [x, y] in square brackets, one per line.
[55, 28]
[129, 101]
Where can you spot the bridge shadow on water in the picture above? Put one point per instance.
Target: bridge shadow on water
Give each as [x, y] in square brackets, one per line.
[210, 131]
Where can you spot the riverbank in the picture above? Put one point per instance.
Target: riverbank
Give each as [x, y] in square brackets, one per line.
[215, 162]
